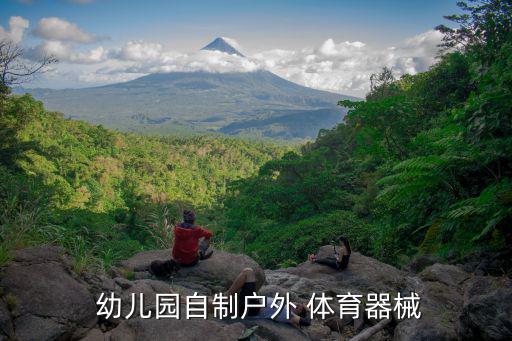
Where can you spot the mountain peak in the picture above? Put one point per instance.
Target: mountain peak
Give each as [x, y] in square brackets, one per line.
[223, 44]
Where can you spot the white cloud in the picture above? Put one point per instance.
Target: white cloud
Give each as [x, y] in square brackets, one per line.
[65, 52]
[152, 57]
[17, 27]
[139, 51]
[342, 67]
[62, 30]
[345, 67]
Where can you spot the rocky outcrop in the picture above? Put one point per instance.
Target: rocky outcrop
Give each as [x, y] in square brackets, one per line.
[171, 329]
[45, 298]
[363, 274]
[217, 272]
[487, 310]
[42, 298]
[440, 289]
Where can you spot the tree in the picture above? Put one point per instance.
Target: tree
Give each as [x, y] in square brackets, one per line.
[484, 27]
[380, 84]
[15, 69]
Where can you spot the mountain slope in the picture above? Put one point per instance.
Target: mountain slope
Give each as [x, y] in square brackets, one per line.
[232, 103]
[199, 101]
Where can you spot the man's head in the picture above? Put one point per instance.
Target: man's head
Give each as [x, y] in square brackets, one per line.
[189, 216]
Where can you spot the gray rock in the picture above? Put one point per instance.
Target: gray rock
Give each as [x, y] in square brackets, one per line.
[363, 273]
[317, 331]
[271, 330]
[440, 306]
[34, 328]
[123, 282]
[149, 289]
[41, 254]
[6, 326]
[434, 325]
[420, 262]
[171, 329]
[219, 270]
[487, 311]
[50, 302]
[448, 274]
[96, 335]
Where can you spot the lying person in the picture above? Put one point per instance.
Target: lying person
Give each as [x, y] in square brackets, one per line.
[336, 262]
[245, 286]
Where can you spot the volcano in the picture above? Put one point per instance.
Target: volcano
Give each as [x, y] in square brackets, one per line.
[256, 104]
[221, 44]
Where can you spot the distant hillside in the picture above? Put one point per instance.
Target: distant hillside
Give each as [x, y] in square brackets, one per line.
[199, 101]
[259, 103]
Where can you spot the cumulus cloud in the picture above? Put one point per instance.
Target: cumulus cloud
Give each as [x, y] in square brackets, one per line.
[342, 67]
[139, 51]
[58, 29]
[17, 27]
[65, 52]
[345, 67]
[152, 57]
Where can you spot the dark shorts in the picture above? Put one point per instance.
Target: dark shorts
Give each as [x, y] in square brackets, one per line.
[248, 289]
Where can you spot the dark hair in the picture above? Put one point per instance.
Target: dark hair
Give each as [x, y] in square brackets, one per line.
[189, 216]
[345, 242]
[303, 312]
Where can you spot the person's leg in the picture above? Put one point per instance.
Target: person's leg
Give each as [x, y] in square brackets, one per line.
[329, 261]
[246, 276]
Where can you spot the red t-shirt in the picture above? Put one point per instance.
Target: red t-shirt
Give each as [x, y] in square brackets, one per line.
[186, 243]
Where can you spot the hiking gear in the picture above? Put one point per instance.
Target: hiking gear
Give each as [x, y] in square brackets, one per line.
[186, 243]
[163, 269]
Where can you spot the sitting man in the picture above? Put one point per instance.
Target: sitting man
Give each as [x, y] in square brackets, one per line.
[245, 286]
[191, 241]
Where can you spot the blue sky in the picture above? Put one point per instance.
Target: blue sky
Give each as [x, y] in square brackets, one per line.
[258, 26]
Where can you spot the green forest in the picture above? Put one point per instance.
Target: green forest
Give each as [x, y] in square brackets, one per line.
[105, 195]
[421, 166]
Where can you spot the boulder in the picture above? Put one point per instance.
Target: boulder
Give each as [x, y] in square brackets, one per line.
[49, 301]
[318, 331]
[218, 271]
[149, 289]
[363, 273]
[440, 306]
[433, 325]
[271, 330]
[448, 274]
[172, 329]
[96, 335]
[487, 311]
[6, 327]
[420, 262]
